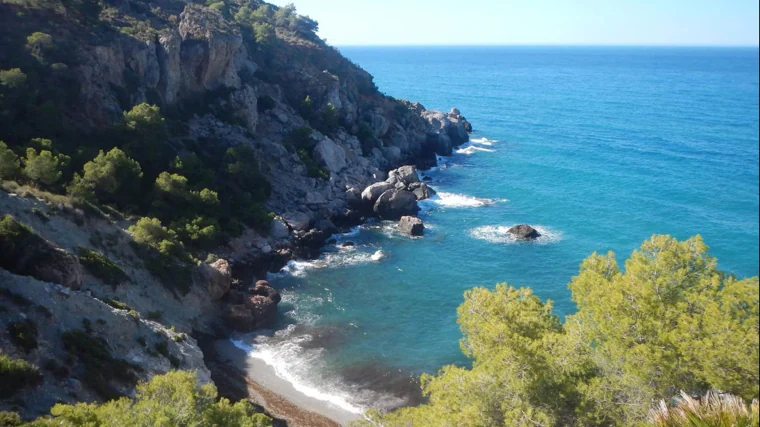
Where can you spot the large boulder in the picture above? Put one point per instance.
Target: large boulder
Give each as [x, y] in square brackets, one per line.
[373, 192]
[405, 175]
[421, 190]
[331, 155]
[298, 221]
[217, 277]
[263, 303]
[279, 229]
[412, 226]
[393, 204]
[524, 231]
[240, 317]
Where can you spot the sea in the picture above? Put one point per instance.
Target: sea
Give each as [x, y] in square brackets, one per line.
[598, 148]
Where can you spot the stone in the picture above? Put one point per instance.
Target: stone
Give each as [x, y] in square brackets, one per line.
[393, 204]
[524, 231]
[240, 317]
[263, 303]
[353, 197]
[373, 192]
[331, 155]
[421, 190]
[279, 229]
[408, 174]
[412, 226]
[297, 221]
[217, 277]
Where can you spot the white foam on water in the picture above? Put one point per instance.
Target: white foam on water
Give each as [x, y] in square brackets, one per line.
[483, 141]
[346, 256]
[453, 200]
[501, 234]
[472, 149]
[297, 365]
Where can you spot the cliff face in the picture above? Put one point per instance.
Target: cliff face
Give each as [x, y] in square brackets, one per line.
[221, 82]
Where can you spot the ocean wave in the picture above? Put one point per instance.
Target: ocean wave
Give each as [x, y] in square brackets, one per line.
[345, 256]
[453, 200]
[500, 234]
[472, 149]
[298, 358]
[483, 141]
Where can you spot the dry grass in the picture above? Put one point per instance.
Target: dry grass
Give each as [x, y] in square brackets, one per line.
[712, 410]
[57, 200]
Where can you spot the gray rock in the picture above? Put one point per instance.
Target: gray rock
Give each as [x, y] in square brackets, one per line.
[373, 192]
[279, 229]
[524, 231]
[331, 155]
[353, 197]
[297, 221]
[421, 190]
[412, 226]
[393, 204]
[217, 277]
[408, 174]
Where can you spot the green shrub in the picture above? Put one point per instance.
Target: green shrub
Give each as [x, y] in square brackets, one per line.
[13, 78]
[306, 108]
[154, 315]
[115, 303]
[9, 419]
[44, 167]
[23, 333]
[329, 119]
[109, 178]
[9, 163]
[173, 399]
[162, 347]
[16, 374]
[151, 233]
[101, 267]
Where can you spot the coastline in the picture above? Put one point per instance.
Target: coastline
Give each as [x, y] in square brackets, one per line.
[277, 396]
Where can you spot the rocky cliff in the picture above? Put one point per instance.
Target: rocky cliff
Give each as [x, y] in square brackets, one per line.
[222, 80]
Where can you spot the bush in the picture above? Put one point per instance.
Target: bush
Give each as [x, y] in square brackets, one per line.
[712, 410]
[23, 333]
[329, 120]
[13, 78]
[151, 233]
[109, 178]
[671, 321]
[9, 163]
[173, 399]
[44, 167]
[115, 303]
[101, 267]
[16, 374]
[9, 419]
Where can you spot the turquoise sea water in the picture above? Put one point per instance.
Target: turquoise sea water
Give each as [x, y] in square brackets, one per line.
[599, 147]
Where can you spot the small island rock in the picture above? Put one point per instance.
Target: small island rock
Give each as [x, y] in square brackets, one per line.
[524, 231]
[412, 226]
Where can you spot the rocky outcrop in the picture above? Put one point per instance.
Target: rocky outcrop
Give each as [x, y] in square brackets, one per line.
[217, 277]
[374, 191]
[254, 308]
[24, 252]
[411, 225]
[421, 190]
[393, 204]
[524, 232]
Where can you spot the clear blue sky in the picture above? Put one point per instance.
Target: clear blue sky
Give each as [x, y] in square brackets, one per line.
[544, 22]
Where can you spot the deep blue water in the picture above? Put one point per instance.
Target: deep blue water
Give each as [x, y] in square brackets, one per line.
[600, 147]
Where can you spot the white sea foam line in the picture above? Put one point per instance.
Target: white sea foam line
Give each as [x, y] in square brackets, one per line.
[283, 358]
[453, 200]
[501, 234]
[472, 149]
[344, 257]
[483, 141]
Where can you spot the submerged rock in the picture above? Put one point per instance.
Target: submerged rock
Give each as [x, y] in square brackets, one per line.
[412, 226]
[524, 231]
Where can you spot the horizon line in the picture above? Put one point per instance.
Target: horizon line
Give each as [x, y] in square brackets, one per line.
[747, 46]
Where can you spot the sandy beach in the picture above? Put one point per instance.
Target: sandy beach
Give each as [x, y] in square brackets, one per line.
[277, 396]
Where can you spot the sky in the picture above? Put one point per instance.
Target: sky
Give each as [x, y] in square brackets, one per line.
[534, 22]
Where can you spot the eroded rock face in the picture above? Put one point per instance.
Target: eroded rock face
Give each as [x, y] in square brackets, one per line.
[524, 231]
[217, 277]
[24, 252]
[411, 225]
[393, 204]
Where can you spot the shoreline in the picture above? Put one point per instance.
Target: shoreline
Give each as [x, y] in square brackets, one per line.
[277, 396]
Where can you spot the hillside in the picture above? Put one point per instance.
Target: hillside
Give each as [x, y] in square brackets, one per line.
[157, 158]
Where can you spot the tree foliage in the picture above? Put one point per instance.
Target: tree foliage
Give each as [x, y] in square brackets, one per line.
[173, 399]
[9, 163]
[109, 178]
[670, 322]
[44, 167]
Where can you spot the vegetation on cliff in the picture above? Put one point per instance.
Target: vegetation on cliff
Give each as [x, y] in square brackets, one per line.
[173, 399]
[671, 321]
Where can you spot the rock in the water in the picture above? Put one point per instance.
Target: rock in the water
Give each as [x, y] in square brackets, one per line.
[373, 192]
[524, 231]
[263, 303]
[412, 226]
[218, 278]
[393, 204]
[405, 174]
[421, 190]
